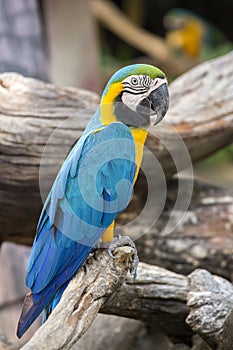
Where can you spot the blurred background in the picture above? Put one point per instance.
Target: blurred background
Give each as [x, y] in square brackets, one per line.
[82, 43]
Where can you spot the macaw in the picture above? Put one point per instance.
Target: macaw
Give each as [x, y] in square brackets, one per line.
[191, 35]
[93, 186]
[186, 33]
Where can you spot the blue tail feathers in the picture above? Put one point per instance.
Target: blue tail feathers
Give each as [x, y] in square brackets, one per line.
[35, 303]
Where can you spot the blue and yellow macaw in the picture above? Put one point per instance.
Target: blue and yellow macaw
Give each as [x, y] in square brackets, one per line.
[192, 36]
[93, 186]
[187, 32]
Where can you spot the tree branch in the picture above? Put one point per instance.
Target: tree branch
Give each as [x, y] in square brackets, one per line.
[204, 238]
[181, 306]
[96, 280]
[157, 297]
[211, 309]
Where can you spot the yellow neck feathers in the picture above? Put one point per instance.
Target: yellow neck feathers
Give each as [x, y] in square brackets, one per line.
[139, 136]
[107, 117]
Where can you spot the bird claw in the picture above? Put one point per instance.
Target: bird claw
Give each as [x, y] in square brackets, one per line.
[122, 241]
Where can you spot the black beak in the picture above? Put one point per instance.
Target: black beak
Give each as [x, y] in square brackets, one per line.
[159, 102]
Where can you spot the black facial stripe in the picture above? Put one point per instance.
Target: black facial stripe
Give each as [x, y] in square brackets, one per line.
[144, 80]
[128, 85]
[139, 87]
[147, 81]
[141, 80]
[135, 92]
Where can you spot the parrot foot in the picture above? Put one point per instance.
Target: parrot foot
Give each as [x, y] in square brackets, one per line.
[122, 241]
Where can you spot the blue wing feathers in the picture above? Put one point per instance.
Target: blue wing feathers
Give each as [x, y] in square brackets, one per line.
[69, 225]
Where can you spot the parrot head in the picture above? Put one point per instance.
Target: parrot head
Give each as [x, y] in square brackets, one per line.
[136, 95]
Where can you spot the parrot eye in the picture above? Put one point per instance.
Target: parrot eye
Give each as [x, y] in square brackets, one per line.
[134, 81]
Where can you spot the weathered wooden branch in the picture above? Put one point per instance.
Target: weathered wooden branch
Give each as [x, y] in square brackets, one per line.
[210, 299]
[181, 306]
[157, 297]
[30, 111]
[203, 240]
[79, 306]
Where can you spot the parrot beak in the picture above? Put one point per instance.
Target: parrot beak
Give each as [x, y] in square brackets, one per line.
[159, 103]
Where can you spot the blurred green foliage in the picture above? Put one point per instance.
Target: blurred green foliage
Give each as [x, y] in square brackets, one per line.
[222, 156]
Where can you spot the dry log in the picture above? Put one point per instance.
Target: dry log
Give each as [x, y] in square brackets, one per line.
[179, 305]
[30, 111]
[157, 297]
[203, 240]
[96, 280]
[211, 309]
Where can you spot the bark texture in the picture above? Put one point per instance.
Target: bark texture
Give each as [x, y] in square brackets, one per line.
[210, 299]
[30, 111]
[81, 301]
[157, 297]
[204, 238]
[180, 306]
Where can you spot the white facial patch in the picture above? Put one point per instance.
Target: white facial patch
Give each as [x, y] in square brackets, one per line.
[135, 89]
[131, 100]
[138, 87]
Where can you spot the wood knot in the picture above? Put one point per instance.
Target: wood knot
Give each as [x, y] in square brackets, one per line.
[124, 254]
